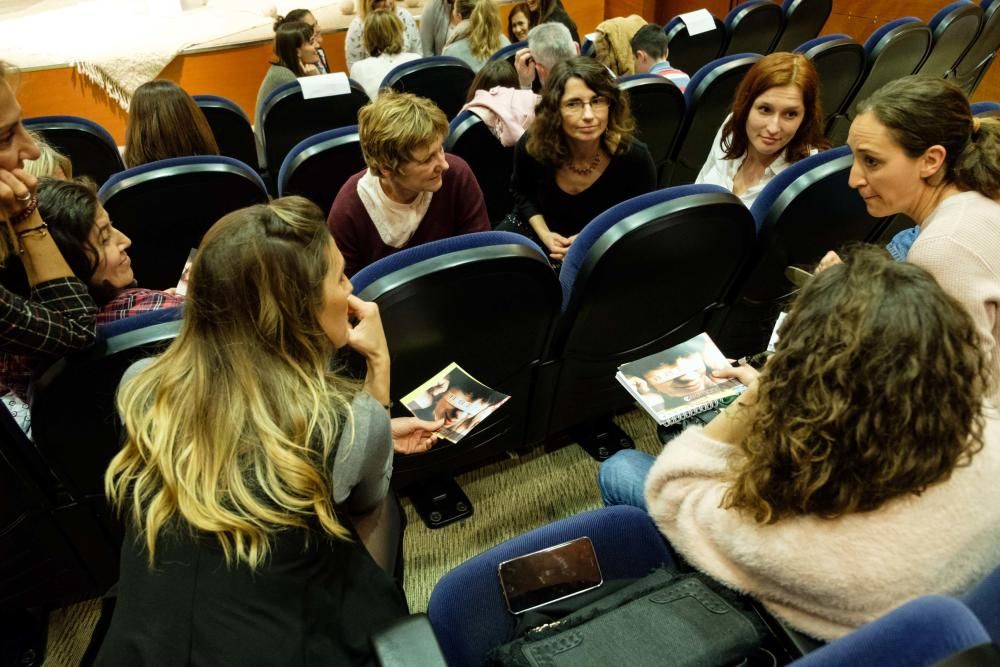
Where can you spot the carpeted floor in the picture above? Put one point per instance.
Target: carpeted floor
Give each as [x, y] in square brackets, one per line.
[510, 498]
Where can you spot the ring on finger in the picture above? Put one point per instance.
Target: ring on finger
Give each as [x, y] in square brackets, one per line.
[25, 197]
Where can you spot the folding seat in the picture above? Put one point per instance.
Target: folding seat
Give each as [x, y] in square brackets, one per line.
[90, 147]
[641, 277]
[804, 19]
[895, 50]
[74, 419]
[318, 167]
[991, 109]
[709, 99]
[689, 53]
[954, 29]
[840, 63]
[166, 206]
[232, 129]
[752, 27]
[973, 66]
[658, 108]
[802, 213]
[485, 301]
[491, 161]
[508, 52]
[288, 118]
[443, 79]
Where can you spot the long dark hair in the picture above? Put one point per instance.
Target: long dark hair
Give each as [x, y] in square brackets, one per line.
[164, 122]
[289, 36]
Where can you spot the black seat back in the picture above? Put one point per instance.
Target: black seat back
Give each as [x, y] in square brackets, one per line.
[753, 27]
[954, 30]
[165, 207]
[972, 67]
[231, 128]
[658, 108]
[288, 118]
[689, 53]
[88, 146]
[840, 63]
[442, 79]
[804, 19]
[490, 161]
[319, 166]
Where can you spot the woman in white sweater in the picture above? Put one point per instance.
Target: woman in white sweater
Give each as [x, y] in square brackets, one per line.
[354, 47]
[383, 39]
[857, 472]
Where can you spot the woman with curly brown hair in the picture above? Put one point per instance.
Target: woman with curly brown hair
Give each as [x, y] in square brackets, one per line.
[776, 121]
[859, 468]
[578, 158]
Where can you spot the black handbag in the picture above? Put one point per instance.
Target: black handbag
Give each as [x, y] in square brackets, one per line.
[665, 618]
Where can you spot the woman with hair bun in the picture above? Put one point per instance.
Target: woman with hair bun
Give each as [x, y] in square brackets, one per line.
[253, 477]
[856, 472]
[776, 121]
[477, 32]
[919, 151]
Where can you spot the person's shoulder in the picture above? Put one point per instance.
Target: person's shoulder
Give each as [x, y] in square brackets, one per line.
[458, 166]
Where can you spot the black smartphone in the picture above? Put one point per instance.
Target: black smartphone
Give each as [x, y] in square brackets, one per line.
[540, 578]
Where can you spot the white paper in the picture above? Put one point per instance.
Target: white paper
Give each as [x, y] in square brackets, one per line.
[698, 21]
[325, 85]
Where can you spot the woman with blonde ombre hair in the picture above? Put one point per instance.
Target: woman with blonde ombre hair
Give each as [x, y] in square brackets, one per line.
[246, 458]
[858, 469]
[354, 46]
[383, 38]
[477, 33]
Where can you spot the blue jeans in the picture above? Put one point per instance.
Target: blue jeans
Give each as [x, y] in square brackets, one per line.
[622, 478]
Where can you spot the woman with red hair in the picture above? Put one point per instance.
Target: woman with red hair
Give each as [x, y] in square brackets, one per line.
[776, 120]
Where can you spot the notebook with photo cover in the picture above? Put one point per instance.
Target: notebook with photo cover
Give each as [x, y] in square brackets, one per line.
[458, 398]
[676, 383]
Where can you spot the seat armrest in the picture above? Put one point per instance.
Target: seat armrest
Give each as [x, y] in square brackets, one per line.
[408, 641]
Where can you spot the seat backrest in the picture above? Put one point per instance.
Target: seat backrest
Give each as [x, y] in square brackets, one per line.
[685, 245]
[804, 211]
[166, 206]
[231, 127]
[986, 109]
[840, 63]
[89, 147]
[659, 110]
[74, 419]
[895, 50]
[318, 167]
[709, 99]
[486, 301]
[443, 79]
[970, 69]
[490, 161]
[804, 19]
[954, 29]
[984, 601]
[508, 52]
[752, 27]
[467, 609]
[288, 118]
[689, 53]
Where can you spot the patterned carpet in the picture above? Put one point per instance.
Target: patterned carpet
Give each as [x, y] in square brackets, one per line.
[510, 498]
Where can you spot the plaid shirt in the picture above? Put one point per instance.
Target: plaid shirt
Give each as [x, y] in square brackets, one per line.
[135, 301]
[58, 317]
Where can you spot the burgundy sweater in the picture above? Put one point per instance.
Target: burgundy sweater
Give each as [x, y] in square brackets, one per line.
[457, 208]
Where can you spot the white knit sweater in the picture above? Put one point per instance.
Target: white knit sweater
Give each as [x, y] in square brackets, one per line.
[828, 576]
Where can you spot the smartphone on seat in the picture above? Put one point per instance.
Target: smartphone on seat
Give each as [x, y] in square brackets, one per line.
[546, 576]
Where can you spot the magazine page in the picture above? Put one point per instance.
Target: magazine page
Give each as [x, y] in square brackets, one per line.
[679, 379]
[458, 398]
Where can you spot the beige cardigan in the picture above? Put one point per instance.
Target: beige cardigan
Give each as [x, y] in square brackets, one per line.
[828, 576]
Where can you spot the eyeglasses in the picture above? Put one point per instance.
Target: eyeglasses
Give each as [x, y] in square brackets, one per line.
[597, 104]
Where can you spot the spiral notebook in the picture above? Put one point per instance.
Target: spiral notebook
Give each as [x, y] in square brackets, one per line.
[677, 383]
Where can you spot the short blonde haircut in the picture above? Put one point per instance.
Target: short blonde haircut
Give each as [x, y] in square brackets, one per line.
[383, 34]
[49, 160]
[394, 126]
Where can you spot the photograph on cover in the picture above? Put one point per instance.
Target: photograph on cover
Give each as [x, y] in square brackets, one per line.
[458, 398]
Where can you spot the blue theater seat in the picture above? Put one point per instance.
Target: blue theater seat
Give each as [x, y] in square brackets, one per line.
[90, 147]
[954, 29]
[709, 99]
[803, 21]
[640, 277]
[752, 27]
[985, 108]
[491, 162]
[806, 210]
[166, 206]
[443, 79]
[232, 129]
[970, 70]
[689, 53]
[508, 52]
[659, 110]
[840, 63]
[486, 301]
[316, 168]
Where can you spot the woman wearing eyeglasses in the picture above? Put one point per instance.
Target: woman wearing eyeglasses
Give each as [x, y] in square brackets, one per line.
[578, 158]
